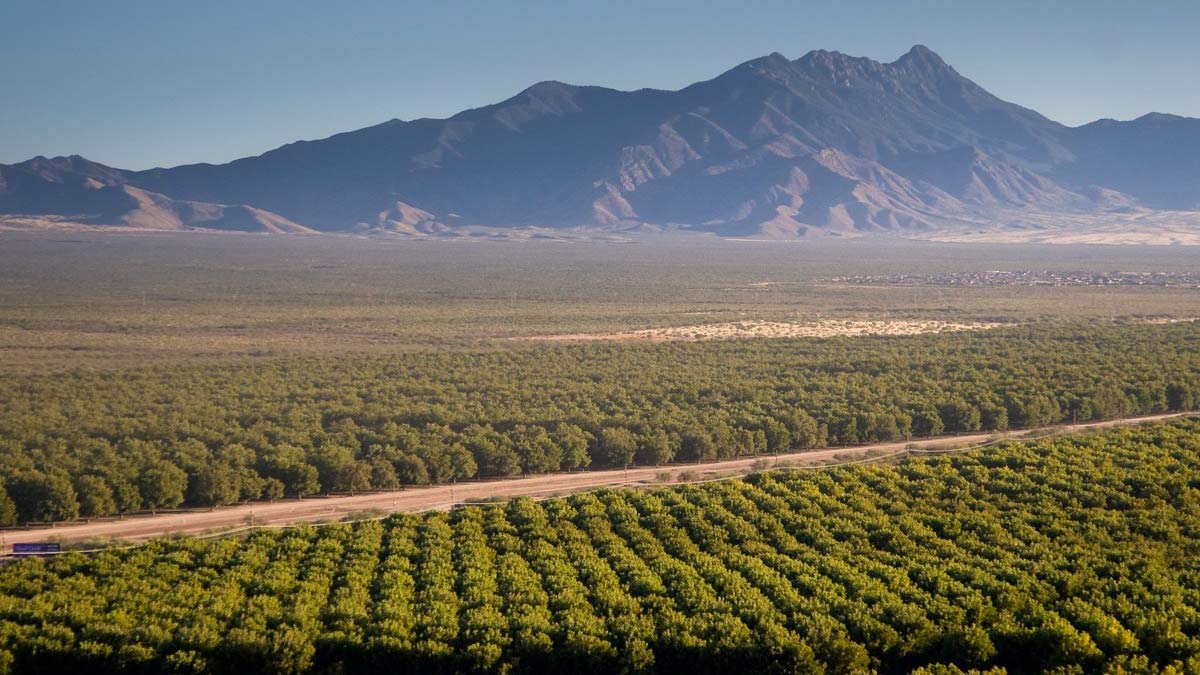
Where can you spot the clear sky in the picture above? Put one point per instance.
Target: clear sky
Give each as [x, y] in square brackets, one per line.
[137, 84]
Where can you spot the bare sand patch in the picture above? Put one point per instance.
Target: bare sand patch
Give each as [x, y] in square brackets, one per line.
[1139, 228]
[1163, 320]
[776, 329]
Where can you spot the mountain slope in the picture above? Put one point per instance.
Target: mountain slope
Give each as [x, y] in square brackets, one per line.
[824, 144]
[1155, 158]
[75, 190]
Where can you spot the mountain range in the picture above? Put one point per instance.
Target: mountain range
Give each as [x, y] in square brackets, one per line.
[827, 144]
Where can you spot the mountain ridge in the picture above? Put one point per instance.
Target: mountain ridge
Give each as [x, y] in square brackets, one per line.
[76, 191]
[827, 144]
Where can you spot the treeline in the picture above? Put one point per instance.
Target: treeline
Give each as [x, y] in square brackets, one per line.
[1070, 555]
[96, 443]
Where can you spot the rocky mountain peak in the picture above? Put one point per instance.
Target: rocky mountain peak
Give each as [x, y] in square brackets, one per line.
[827, 143]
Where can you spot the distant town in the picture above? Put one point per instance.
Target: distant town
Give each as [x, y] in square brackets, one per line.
[1029, 278]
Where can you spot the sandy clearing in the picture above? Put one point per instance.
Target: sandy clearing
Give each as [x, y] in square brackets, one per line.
[774, 329]
[1164, 320]
[443, 497]
[1152, 229]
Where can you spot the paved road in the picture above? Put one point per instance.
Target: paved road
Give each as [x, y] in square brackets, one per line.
[317, 509]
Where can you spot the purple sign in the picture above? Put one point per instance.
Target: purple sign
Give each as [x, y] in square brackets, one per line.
[35, 548]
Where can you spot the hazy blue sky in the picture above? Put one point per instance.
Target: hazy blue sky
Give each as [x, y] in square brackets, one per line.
[165, 82]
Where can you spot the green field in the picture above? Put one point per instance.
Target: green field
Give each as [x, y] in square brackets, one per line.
[140, 373]
[104, 442]
[1073, 554]
[145, 372]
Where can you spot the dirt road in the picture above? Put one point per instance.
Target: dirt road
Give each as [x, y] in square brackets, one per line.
[317, 509]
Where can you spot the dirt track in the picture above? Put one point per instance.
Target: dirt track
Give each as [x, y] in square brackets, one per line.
[317, 509]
